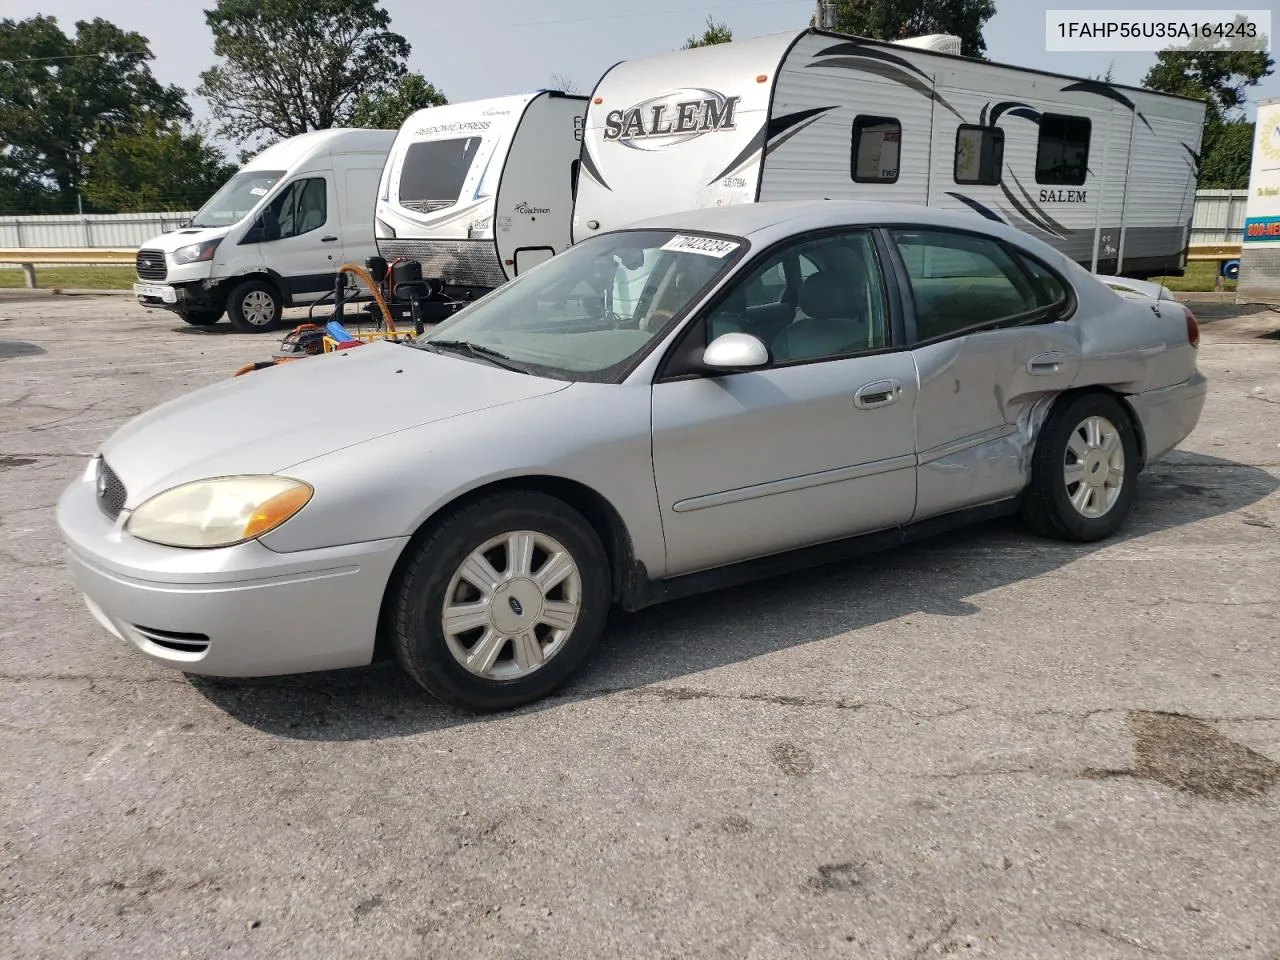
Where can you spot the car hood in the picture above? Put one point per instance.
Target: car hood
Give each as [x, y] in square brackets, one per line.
[169, 242]
[266, 421]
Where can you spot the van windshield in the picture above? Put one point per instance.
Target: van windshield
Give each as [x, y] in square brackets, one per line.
[434, 172]
[236, 198]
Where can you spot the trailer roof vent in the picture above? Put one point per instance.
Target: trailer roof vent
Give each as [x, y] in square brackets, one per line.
[941, 42]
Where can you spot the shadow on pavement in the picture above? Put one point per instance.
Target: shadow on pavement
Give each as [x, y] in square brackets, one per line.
[673, 640]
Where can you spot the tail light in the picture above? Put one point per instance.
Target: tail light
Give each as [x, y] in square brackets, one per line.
[1193, 328]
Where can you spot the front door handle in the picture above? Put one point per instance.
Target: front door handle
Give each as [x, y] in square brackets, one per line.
[328, 239]
[1046, 363]
[881, 393]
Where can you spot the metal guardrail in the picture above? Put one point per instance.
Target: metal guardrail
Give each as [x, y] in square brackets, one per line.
[1214, 251]
[29, 257]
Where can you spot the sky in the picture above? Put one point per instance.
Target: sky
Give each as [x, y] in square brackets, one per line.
[486, 48]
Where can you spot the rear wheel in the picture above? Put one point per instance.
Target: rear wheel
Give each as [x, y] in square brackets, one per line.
[501, 603]
[202, 318]
[1084, 470]
[255, 306]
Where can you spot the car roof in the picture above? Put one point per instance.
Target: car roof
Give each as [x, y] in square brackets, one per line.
[768, 221]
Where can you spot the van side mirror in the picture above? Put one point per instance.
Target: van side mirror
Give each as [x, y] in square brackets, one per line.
[731, 352]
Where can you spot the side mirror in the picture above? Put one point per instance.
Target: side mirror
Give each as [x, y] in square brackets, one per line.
[731, 352]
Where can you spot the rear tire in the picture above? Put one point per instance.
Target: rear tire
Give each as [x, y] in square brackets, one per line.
[255, 306]
[1084, 470]
[537, 619]
[202, 318]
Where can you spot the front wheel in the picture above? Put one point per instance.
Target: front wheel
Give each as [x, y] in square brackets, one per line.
[1084, 471]
[202, 318]
[501, 603]
[255, 306]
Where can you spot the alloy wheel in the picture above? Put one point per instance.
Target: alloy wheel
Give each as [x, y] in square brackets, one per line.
[512, 605]
[1093, 467]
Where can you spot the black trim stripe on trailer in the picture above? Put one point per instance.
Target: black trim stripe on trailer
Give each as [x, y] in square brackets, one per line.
[886, 45]
[1106, 90]
[977, 207]
[866, 64]
[773, 91]
[771, 135]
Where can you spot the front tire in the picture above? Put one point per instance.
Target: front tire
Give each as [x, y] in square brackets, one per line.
[501, 602]
[1084, 471]
[255, 306]
[202, 318]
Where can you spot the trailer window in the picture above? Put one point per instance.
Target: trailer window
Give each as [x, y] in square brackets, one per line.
[1062, 156]
[434, 172]
[979, 154]
[876, 149]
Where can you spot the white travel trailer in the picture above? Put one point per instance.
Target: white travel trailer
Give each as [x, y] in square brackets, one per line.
[273, 235]
[479, 192]
[1105, 173]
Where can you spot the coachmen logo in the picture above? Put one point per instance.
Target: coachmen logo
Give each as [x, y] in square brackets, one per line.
[527, 208]
[672, 118]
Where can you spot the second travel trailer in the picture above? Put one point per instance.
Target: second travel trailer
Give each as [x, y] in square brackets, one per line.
[479, 192]
[1105, 173]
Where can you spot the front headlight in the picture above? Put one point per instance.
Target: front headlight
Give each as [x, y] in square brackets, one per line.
[218, 513]
[196, 252]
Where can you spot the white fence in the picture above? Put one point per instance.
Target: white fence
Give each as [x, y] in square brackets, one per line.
[1219, 218]
[119, 230]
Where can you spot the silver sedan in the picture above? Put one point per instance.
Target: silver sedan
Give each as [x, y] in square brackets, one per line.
[691, 402]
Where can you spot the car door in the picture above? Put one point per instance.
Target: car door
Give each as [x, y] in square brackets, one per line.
[816, 446]
[303, 244]
[987, 349]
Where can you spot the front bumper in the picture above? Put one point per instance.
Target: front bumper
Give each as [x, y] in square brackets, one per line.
[157, 294]
[1169, 414]
[243, 611]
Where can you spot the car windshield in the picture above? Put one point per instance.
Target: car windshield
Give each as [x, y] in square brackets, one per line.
[237, 197]
[588, 313]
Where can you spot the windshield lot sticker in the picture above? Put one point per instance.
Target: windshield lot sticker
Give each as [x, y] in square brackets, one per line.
[707, 246]
[259, 191]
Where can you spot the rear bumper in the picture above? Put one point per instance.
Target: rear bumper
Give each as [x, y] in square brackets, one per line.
[1169, 414]
[240, 611]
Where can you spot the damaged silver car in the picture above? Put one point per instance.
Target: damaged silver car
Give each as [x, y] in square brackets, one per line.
[687, 403]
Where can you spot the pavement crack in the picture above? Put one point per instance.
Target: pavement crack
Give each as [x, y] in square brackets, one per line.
[1116, 936]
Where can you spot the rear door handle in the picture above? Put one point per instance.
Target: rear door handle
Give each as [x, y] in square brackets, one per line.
[1046, 363]
[880, 393]
[328, 239]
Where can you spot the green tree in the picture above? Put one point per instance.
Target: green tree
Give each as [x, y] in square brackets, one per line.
[290, 66]
[900, 19]
[713, 34]
[1225, 164]
[389, 109]
[61, 95]
[157, 168]
[1222, 79]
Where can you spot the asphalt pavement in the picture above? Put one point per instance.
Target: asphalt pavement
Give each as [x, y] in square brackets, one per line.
[983, 745]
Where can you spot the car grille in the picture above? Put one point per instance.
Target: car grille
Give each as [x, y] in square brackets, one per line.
[151, 265]
[111, 492]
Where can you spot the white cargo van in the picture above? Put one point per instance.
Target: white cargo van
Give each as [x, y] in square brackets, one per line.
[273, 235]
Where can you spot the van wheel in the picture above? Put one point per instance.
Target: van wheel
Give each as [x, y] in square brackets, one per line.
[1084, 471]
[254, 306]
[202, 318]
[501, 603]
